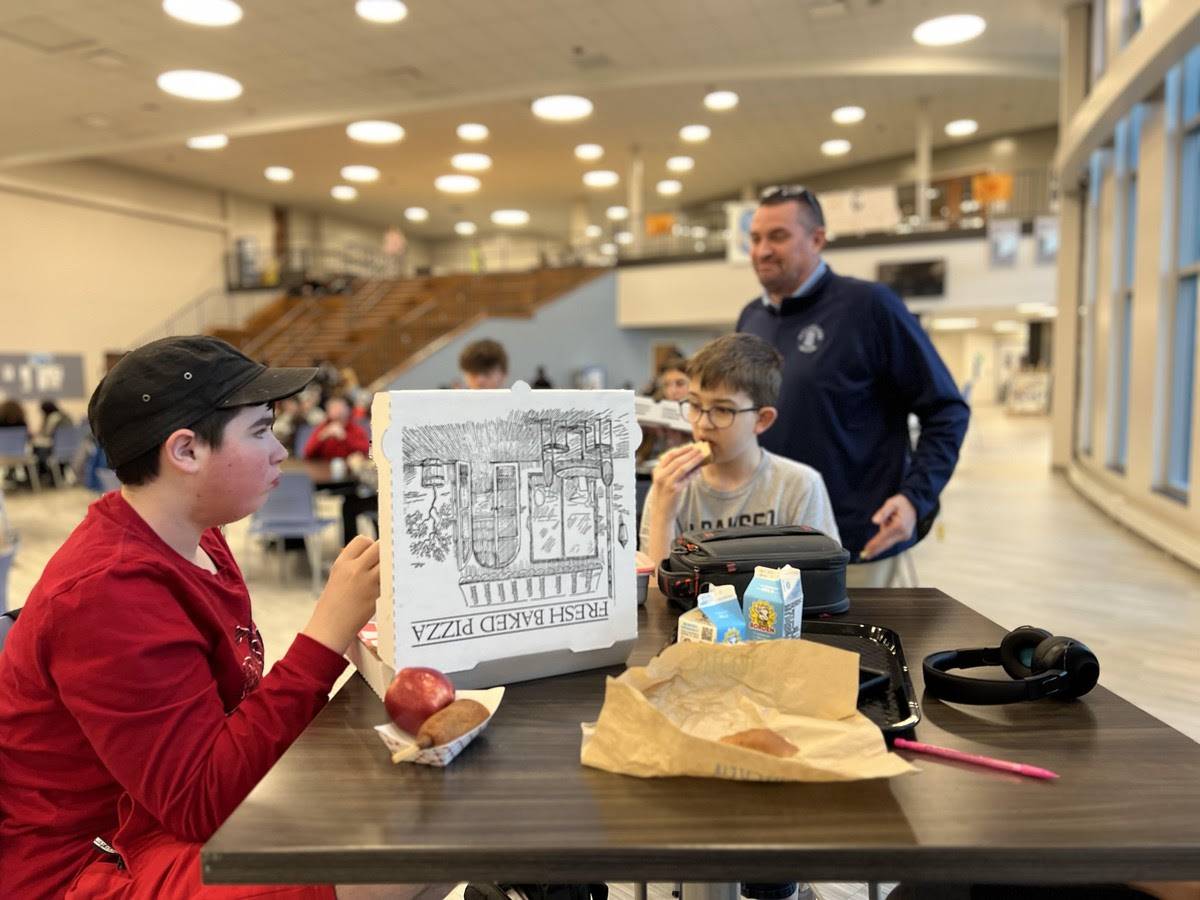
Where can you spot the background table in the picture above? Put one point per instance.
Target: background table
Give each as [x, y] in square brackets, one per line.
[518, 806]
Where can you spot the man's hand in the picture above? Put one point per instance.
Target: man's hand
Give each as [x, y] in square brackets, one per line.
[896, 520]
[334, 430]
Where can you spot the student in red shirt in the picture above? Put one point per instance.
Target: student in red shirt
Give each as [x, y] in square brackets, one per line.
[134, 706]
[337, 437]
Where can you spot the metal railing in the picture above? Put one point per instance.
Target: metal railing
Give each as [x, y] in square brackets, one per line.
[701, 230]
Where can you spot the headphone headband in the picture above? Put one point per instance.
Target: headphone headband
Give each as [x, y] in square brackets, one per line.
[985, 691]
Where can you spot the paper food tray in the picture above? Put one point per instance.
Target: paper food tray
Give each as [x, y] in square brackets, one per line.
[444, 754]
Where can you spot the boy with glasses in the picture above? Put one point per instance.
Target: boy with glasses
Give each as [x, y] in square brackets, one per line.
[733, 386]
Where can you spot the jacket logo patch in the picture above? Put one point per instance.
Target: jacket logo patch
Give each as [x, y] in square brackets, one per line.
[809, 339]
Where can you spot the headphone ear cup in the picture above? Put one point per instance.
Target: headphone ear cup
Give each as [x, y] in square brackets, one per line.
[1017, 650]
[1066, 654]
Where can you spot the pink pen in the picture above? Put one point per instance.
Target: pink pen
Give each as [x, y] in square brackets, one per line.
[988, 762]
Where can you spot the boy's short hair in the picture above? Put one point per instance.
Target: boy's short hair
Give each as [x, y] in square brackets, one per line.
[739, 362]
[210, 430]
[194, 382]
[483, 356]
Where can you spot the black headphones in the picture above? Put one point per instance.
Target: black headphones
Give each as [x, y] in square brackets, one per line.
[1042, 664]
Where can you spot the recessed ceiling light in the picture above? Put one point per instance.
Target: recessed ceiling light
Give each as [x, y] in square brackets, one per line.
[668, 187]
[694, 134]
[471, 162]
[589, 152]
[279, 173]
[849, 115]
[946, 30]
[193, 84]
[375, 132]
[593, 231]
[961, 127]
[343, 192]
[360, 174]
[213, 13]
[385, 12]
[472, 131]
[208, 142]
[680, 164]
[720, 101]
[624, 238]
[608, 249]
[617, 213]
[836, 147]
[1045, 310]
[562, 107]
[600, 178]
[456, 184]
[1008, 326]
[416, 214]
[510, 217]
[954, 323]
[466, 229]
[699, 232]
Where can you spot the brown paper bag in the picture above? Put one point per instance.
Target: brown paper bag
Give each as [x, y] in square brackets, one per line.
[667, 718]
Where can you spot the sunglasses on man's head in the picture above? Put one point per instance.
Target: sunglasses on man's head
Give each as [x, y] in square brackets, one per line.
[784, 192]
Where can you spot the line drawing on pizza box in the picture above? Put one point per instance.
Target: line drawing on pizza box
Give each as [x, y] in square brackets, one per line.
[523, 505]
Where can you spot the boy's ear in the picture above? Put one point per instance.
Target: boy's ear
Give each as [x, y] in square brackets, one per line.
[766, 418]
[183, 451]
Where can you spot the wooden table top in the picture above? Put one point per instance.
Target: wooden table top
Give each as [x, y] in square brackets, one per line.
[518, 806]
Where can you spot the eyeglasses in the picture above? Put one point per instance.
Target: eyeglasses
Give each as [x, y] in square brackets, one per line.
[718, 416]
[782, 193]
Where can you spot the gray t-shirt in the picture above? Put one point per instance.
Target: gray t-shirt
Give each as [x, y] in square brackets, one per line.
[781, 492]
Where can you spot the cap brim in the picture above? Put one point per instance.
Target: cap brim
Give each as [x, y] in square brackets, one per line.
[270, 385]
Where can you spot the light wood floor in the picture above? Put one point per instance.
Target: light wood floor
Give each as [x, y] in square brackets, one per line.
[1014, 542]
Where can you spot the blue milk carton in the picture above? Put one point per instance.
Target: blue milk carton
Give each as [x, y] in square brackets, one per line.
[717, 618]
[774, 604]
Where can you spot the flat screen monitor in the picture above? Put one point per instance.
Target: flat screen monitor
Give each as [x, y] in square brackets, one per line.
[921, 278]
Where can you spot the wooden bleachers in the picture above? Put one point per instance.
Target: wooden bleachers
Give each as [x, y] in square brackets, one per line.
[385, 326]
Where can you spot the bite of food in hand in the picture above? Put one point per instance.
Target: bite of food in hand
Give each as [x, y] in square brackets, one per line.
[705, 452]
[764, 740]
[416, 694]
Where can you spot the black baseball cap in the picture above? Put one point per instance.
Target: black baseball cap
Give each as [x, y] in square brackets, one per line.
[175, 382]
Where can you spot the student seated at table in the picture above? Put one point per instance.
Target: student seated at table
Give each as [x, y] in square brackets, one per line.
[733, 386]
[670, 385]
[337, 437]
[484, 365]
[135, 708]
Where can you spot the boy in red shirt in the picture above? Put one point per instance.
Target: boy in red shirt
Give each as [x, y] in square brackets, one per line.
[337, 437]
[135, 708]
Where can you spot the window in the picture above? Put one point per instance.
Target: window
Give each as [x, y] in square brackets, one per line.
[1087, 304]
[1128, 139]
[1183, 107]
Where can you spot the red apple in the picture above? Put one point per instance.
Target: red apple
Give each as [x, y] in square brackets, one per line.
[415, 694]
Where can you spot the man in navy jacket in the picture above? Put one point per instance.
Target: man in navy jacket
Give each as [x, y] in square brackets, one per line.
[856, 363]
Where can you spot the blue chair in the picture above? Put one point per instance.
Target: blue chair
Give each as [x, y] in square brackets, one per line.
[14, 452]
[7, 553]
[7, 620]
[108, 480]
[67, 441]
[289, 513]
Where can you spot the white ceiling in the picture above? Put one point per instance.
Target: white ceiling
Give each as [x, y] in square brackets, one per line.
[311, 66]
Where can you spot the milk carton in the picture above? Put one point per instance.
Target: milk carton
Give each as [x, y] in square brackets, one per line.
[774, 604]
[717, 618]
